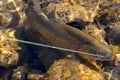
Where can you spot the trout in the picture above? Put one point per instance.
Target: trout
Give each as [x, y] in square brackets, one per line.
[65, 36]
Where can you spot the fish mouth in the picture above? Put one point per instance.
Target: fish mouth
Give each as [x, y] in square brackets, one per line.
[104, 56]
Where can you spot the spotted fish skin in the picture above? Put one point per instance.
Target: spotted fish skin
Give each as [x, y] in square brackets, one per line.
[65, 36]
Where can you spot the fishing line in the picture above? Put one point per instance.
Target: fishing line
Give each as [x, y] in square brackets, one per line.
[49, 46]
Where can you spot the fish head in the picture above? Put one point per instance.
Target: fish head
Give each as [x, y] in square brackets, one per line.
[103, 55]
[98, 53]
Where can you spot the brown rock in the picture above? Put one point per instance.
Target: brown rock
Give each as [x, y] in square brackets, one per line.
[66, 69]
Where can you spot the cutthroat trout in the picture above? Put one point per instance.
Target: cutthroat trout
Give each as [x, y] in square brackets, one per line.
[65, 36]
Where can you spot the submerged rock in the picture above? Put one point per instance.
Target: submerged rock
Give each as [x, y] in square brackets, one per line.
[8, 49]
[81, 10]
[11, 51]
[112, 73]
[113, 33]
[35, 75]
[94, 31]
[116, 51]
[66, 69]
[20, 73]
[11, 13]
[71, 10]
